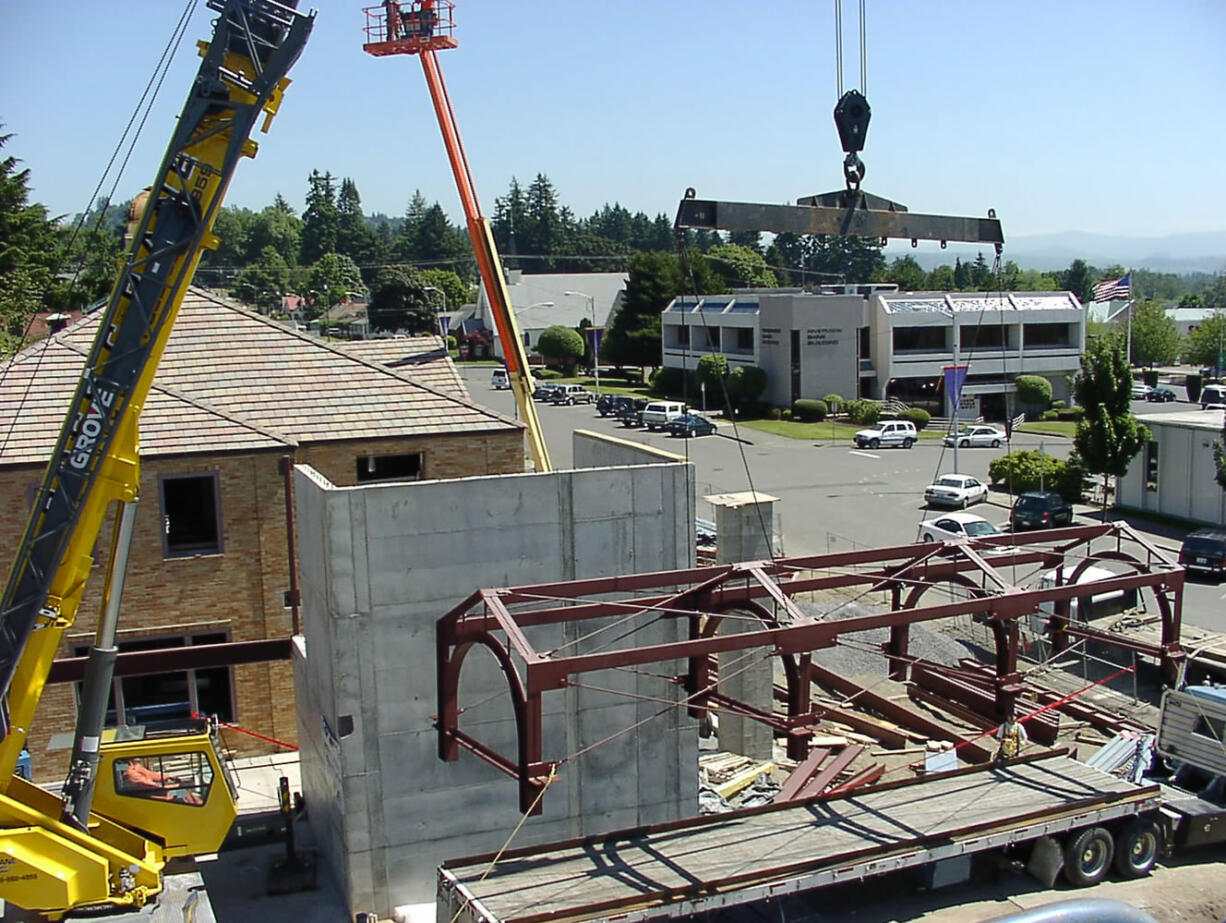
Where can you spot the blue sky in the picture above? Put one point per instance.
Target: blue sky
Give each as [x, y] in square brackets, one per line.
[1062, 115]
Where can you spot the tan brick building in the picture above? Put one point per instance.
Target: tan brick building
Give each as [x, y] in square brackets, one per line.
[236, 398]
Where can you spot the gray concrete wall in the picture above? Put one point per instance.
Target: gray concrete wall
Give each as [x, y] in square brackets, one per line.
[380, 565]
[600, 450]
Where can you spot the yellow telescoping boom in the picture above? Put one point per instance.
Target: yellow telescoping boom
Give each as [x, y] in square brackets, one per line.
[56, 853]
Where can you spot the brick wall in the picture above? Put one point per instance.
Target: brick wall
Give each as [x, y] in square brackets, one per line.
[240, 591]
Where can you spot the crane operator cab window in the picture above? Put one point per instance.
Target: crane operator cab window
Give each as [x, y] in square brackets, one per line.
[184, 778]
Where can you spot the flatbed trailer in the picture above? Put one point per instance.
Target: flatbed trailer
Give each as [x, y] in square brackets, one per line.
[702, 864]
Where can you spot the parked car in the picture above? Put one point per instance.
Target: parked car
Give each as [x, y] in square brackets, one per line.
[1213, 397]
[886, 434]
[544, 391]
[691, 424]
[956, 525]
[976, 436]
[632, 414]
[1040, 509]
[1140, 390]
[610, 405]
[955, 490]
[499, 380]
[658, 414]
[1205, 550]
[572, 394]
[1160, 395]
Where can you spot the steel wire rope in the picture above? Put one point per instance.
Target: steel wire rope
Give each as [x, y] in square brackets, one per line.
[687, 269]
[147, 99]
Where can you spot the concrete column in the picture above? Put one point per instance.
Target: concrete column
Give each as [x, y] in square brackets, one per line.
[744, 523]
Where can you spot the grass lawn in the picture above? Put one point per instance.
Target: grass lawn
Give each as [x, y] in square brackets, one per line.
[1066, 428]
[828, 431]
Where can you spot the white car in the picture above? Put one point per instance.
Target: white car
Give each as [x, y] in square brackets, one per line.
[976, 436]
[1140, 390]
[955, 526]
[955, 490]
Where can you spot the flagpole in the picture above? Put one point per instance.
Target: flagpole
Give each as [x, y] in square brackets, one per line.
[1131, 301]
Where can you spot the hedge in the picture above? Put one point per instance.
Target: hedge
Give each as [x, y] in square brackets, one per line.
[834, 402]
[917, 415]
[862, 412]
[1033, 390]
[1195, 384]
[1027, 469]
[809, 411]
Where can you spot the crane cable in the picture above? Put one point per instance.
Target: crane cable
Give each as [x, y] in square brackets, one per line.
[838, 49]
[147, 98]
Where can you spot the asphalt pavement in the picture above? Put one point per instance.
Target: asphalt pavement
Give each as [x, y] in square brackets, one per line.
[834, 497]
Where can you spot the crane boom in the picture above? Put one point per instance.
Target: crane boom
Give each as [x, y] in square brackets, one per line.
[95, 461]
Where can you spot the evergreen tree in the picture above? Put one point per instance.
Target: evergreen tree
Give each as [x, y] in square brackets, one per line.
[27, 251]
[354, 237]
[633, 338]
[399, 301]
[265, 281]
[320, 221]
[510, 223]
[1076, 279]
[962, 275]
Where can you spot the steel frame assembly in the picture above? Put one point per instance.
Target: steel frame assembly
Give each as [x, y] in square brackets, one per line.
[988, 579]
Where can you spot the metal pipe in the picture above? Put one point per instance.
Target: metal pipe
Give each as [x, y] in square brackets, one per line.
[79, 786]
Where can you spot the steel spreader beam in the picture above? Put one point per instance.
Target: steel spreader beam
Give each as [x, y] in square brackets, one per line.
[842, 214]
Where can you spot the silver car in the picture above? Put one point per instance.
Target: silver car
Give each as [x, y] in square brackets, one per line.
[976, 437]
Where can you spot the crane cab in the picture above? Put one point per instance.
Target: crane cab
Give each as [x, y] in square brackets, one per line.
[173, 786]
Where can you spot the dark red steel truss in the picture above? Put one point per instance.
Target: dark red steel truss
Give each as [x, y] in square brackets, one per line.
[498, 619]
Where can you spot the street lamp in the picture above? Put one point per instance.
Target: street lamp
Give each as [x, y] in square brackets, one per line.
[591, 305]
[431, 288]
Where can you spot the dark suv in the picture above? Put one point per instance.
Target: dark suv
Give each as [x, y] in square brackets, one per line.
[632, 414]
[611, 405]
[1205, 550]
[1040, 509]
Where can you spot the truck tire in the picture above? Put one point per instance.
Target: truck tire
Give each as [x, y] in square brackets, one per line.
[908, 442]
[1087, 857]
[1137, 847]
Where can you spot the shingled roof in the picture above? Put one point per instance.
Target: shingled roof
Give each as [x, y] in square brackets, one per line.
[423, 359]
[232, 380]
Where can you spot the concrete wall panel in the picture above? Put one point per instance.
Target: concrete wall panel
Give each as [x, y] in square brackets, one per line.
[381, 564]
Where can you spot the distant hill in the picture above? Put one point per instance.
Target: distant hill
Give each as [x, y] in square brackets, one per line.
[1178, 253]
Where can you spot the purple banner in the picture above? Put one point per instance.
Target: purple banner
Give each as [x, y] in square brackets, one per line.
[444, 324]
[955, 377]
[595, 335]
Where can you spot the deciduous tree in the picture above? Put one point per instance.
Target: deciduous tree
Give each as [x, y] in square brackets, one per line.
[333, 277]
[561, 345]
[1154, 336]
[1109, 436]
[399, 301]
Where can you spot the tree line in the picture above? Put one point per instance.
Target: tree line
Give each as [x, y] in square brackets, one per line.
[411, 265]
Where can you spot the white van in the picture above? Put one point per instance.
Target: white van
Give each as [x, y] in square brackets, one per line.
[1213, 396]
[499, 380]
[658, 414]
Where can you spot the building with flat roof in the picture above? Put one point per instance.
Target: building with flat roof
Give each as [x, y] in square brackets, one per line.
[1174, 474]
[873, 341]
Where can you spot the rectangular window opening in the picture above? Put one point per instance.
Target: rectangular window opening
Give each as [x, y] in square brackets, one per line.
[191, 523]
[389, 467]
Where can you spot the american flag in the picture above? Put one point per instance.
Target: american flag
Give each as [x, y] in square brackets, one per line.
[1113, 289]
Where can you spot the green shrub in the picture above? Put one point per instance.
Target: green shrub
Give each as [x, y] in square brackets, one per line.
[785, 414]
[1033, 390]
[918, 416]
[1071, 413]
[451, 344]
[667, 381]
[1027, 469]
[1058, 405]
[1150, 377]
[775, 413]
[862, 412]
[1195, 384]
[809, 410]
[540, 373]
[834, 402]
[1052, 414]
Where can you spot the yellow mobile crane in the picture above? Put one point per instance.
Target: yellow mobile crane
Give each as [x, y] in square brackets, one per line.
[130, 805]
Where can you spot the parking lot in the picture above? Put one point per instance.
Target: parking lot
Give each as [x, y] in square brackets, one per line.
[832, 496]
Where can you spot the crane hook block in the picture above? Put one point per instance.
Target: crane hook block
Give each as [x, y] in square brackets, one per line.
[851, 116]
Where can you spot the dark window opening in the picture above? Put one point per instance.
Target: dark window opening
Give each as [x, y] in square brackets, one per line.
[865, 341]
[389, 467]
[683, 336]
[794, 347]
[744, 338]
[1038, 335]
[920, 339]
[1213, 728]
[190, 522]
[987, 336]
[1151, 466]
